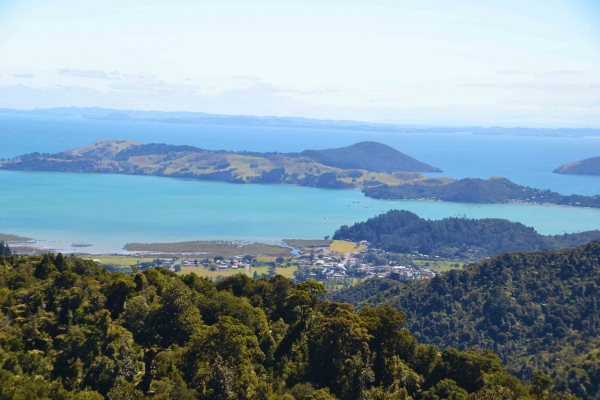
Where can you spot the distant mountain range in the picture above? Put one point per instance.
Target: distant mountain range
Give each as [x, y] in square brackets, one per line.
[183, 117]
[589, 166]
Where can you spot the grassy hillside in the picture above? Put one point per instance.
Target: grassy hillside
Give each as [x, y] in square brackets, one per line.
[74, 331]
[128, 157]
[406, 232]
[371, 156]
[589, 166]
[536, 310]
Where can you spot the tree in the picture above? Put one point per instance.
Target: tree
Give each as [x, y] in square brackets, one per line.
[45, 267]
[541, 384]
[446, 389]
[4, 249]
[221, 381]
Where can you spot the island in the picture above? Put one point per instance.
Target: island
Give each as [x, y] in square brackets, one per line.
[361, 165]
[473, 190]
[589, 166]
[200, 118]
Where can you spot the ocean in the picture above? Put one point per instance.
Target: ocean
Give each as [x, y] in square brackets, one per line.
[108, 211]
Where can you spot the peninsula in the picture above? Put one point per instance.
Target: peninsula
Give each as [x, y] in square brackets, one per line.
[473, 190]
[589, 166]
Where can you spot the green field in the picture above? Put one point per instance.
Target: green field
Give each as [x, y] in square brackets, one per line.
[201, 271]
[438, 266]
[118, 261]
[341, 246]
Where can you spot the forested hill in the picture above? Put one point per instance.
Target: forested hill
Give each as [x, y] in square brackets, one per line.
[371, 156]
[474, 190]
[405, 232]
[536, 310]
[72, 330]
[589, 166]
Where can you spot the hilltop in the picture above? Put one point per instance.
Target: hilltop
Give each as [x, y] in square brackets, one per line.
[537, 310]
[405, 232]
[129, 157]
[589, 166]
[371, 156]
[475, 190]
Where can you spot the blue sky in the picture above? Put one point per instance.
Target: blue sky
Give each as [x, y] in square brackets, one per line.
[484, 62]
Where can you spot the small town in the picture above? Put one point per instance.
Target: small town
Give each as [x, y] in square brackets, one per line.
[335, 263]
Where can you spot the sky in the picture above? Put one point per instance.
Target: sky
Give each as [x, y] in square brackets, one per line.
[436, 62]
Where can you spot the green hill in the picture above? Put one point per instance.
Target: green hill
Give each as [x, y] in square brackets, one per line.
[589, 166]
[74, 331]
[474, 190]
[159, 159]
[371, 156]
[536, 310]
[405, 232]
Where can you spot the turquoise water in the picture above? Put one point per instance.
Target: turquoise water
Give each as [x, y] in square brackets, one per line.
[525, 160]
[109, 211]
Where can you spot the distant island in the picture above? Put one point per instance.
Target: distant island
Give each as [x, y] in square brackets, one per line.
[589, 166]
[200, 118]
[361, 165]
[473, 190]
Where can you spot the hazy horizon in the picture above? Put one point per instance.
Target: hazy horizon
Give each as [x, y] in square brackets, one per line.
[502, 63]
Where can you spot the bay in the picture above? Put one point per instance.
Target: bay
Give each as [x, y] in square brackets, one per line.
[525, 160]
[108, 211]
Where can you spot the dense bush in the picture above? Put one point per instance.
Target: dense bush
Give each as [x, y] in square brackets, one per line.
[537, 311]
[72, 330]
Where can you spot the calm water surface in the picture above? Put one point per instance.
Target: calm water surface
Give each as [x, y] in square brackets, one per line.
[111, 210]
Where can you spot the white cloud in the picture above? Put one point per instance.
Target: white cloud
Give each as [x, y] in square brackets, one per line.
[558, 73]
[26, 75]
[248, 77]
[88, 73]
[512, 72]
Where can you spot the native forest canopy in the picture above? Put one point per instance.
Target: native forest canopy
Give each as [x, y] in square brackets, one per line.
[73, 330]
[475, 190]
[538, 311]
[401, 231]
